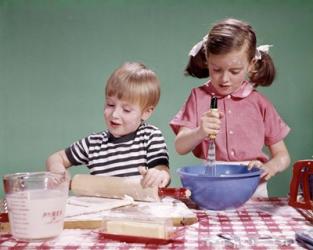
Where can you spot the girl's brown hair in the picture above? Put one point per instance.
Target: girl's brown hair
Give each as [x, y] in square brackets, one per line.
[135, 83]
[225, 36]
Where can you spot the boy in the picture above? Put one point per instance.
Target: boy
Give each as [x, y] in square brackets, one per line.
[129, 146]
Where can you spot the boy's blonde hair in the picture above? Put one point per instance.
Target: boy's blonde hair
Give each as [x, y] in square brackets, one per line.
[135, 83]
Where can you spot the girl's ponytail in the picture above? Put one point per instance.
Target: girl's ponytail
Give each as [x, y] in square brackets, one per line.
[197, 64]
[264, 71]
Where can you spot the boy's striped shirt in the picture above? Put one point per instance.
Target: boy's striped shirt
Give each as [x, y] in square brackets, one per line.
[105, 154]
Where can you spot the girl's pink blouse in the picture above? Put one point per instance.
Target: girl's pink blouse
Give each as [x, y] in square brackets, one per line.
[250, 121]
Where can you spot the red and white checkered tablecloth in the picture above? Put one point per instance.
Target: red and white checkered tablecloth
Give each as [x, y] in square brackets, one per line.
[259, 224]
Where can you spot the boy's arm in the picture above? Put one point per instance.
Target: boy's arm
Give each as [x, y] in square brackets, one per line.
[58, 162]
[156, 176]
[167, 175]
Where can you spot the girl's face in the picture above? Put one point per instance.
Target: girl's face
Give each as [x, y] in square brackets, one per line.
[123, 117]
[228, 71]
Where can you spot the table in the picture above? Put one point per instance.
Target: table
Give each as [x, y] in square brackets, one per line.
[264, 223]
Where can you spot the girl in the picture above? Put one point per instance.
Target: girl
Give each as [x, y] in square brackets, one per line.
[246, 119]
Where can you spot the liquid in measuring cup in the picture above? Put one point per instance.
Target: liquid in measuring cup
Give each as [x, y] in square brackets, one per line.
[36, 214]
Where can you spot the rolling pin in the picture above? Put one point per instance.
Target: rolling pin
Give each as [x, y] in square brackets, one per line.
[118, 187]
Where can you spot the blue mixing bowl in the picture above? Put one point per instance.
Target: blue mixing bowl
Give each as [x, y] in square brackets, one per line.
[226, 187]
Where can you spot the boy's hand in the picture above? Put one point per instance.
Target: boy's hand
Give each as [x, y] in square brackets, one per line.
[154, 177]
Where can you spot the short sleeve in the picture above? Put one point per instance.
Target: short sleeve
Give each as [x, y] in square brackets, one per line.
[157, 153]
[187, 115]
[275, 127]
[77, 153]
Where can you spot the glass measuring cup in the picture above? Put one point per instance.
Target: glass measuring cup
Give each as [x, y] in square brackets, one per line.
[36, 204]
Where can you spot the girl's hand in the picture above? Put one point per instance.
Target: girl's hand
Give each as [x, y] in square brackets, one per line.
[154, 177]
[210, 123]
[279, 162]
[267, 172]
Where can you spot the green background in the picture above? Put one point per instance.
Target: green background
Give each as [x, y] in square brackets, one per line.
[55, 57]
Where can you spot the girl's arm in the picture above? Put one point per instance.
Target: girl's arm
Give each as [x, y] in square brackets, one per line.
[58, 162]
[279, 161]
[187, 139]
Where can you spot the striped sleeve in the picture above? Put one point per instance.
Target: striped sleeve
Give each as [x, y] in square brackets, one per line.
[157, 153]
[78, 152]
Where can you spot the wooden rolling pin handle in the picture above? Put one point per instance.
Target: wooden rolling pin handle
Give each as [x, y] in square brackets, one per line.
[177, 193]
[4, 217]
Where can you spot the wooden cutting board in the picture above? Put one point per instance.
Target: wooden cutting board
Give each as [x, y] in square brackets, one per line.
[83, 212]
[168, 208]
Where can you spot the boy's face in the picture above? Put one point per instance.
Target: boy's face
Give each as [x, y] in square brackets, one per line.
[228, 71]
[123, 117]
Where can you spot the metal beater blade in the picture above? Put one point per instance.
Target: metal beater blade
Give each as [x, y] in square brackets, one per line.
[211, 165]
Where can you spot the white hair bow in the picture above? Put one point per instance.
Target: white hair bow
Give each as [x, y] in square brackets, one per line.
[196, 48]
[264, 48]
